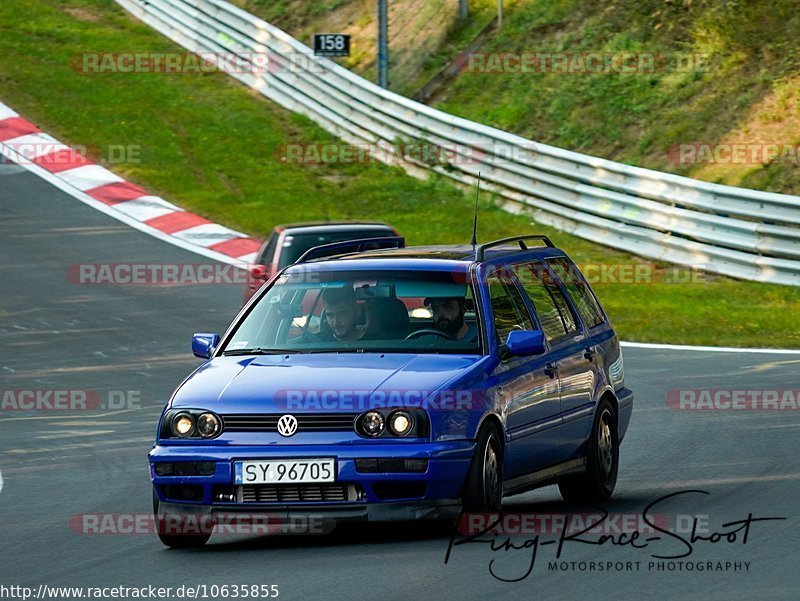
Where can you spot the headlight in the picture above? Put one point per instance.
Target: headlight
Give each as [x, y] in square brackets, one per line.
[191, 424]
[183, 425]
[405, 423]
[208, 425]
[372, 423]
[400, 423]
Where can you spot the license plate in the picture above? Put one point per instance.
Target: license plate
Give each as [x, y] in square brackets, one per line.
[288, 471]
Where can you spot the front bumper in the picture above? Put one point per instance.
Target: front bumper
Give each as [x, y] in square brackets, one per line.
[316, 518]
[411, 495]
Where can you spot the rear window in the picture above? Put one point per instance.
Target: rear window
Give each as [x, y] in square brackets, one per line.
[295, 245]
[578, 291]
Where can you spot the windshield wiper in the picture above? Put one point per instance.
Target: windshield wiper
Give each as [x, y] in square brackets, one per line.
[339, 351]
[260, 351]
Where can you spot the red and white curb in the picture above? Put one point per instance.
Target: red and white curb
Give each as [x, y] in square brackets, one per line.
[25, 144]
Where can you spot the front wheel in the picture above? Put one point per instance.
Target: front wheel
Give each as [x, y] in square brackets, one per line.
[175, 540]
[597, 482]
[483, 489]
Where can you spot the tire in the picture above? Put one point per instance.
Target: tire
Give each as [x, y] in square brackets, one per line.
[483, 488]
[597, 482]
[176, 541]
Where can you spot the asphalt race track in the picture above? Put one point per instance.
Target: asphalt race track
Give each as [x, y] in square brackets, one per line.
[60, 335]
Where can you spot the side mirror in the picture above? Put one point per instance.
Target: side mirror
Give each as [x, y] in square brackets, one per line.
[523, 343]
[204, 344]
[258, 273]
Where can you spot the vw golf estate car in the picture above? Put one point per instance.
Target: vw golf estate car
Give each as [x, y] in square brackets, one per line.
[397, 384]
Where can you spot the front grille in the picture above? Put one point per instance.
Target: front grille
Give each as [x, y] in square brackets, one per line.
[309, 422]
[301, 493]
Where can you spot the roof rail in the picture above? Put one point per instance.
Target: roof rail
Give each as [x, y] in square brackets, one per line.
[357, 246]
[481, 249]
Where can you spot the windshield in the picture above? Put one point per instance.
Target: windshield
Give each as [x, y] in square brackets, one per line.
[295, 245]
[361, 311]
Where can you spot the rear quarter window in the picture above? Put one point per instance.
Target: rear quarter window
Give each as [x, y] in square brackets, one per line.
[547, 300]
[582, 297]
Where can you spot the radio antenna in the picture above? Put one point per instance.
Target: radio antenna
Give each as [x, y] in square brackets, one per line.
[474, 241]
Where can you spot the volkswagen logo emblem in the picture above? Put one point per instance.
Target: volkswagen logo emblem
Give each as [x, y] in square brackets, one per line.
[287, 425]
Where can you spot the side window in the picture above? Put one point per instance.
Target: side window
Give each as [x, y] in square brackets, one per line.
[269, 250]
[530, 276]
[508, 308]
[578, 290]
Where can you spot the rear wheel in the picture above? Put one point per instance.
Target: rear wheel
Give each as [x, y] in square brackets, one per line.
[597, 482]
[483, 489]
[170, 539]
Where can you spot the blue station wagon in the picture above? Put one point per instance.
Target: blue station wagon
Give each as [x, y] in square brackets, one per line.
[398, 384]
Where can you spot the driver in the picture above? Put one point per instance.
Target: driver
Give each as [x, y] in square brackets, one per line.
[341, 313]
[448, 316]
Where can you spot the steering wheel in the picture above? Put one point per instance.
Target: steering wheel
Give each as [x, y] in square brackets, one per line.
[424, 331]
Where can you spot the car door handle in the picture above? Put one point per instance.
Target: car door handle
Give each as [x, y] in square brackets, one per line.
[550, 370]
[590, 353]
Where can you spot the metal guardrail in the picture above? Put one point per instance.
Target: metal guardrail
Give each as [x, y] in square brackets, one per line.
[733, 231]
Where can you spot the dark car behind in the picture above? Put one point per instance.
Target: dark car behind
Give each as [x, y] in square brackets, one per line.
[287, 243]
